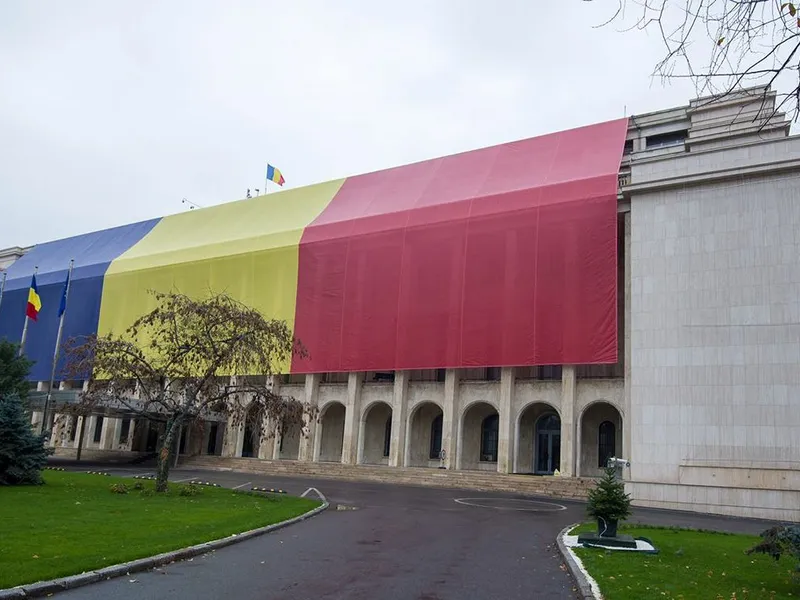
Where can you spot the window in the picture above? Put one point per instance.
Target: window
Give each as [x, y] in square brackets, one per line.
[549, 373]
[606, 443]
[387, 436]
[383, 376]
[98, 429]
[663, 140]
[628, 149]
[436, 438]
[493, 373]
[427, 375]
[489, 435]
[73, 428]
[124, 431]
[334, 378]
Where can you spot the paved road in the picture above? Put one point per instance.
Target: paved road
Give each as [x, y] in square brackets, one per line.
[400, 543]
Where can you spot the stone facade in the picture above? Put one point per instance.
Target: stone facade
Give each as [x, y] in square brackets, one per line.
[715, 321]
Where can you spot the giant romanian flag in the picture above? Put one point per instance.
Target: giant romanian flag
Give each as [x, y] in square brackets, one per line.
[501, 256]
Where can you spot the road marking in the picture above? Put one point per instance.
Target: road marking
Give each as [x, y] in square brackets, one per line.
[532, 505]
[241, 486]
[316, 491]
[182, 480]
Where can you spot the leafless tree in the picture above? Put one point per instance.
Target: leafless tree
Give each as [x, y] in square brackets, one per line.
[722, 45]
[174, 366]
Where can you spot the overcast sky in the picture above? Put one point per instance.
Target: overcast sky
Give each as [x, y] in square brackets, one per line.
[111, 112]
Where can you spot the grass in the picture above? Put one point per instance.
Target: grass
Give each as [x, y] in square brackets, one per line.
[690, 565]
[74, 523]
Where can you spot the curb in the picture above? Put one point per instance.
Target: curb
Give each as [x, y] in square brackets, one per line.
[584, 587]
[47, 588]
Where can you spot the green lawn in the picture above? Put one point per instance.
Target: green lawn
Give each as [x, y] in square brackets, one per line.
[690, 565]
[74, 523]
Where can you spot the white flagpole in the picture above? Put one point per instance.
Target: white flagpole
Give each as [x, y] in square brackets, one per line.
[266, 180]
[45, 426]
[25, 326]
[3, 286]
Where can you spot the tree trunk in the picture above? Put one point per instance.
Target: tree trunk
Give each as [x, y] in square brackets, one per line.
[80, 438]
[164, 454]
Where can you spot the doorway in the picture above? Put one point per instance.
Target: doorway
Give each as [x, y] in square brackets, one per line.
[548, 444]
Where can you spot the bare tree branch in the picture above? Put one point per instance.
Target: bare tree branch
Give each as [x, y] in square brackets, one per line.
[723, 45]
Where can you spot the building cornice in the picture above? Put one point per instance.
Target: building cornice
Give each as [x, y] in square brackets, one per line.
[760, 170]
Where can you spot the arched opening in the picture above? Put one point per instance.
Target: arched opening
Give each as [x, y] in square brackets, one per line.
[534, 455]
[377, 432]
[332, 435]
[547, 449]
[479, 437]
[425, 436]
[252, 432]
[436, 438]
[601, 438]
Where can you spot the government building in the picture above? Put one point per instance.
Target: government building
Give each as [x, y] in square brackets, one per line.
[627, 289]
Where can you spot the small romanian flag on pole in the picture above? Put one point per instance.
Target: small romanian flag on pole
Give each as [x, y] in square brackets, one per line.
[34, 301]
[275, 175]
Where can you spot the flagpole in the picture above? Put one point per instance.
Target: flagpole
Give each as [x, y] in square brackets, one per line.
[57, 348]
[3, 286]
[266, 181]
[25, 326]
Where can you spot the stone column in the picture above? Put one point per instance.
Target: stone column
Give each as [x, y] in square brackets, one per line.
[309, 444]
[627, 417]
[275, 385]
[110, 433]
[450, 417]
[56, 430]
[352, 416]
[568, 397]
[505, 442]
[397, 447]
[88, 440]
[234, 438]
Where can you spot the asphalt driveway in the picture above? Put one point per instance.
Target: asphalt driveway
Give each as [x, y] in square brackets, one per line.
[385, 542]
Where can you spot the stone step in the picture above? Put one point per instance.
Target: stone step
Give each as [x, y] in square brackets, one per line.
[562, 487]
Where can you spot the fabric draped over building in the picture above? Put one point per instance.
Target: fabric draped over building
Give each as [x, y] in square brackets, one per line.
[496, 257]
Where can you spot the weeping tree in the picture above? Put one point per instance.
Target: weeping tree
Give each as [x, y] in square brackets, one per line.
[721, 45]
[173, 366]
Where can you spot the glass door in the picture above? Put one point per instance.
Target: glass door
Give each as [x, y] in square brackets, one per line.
[548, 444]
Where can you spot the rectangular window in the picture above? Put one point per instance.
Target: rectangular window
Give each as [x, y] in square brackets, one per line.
[662, 140]
[334, 378]
[628, 149]
[549, 373]
[98, 429]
